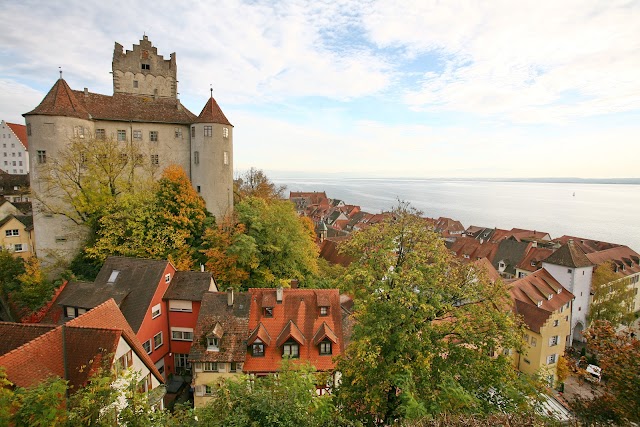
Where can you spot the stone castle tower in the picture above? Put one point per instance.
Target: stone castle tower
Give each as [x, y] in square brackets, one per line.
[144, 109]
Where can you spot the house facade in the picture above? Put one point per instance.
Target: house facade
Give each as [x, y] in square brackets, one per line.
[16, 235]
[14, 154]
[144, 110]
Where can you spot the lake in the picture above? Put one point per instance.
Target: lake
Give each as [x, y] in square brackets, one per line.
[606, 212]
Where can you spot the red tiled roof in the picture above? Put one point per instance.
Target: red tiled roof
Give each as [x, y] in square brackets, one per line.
[587, 245]
[298, 316]
[15, 335]
[61, 101]
[260, 332]
[324, 332]
[21, 132]
[329, 250]
[533, 259]
[488, 268]
[623, 258]
[212, 113]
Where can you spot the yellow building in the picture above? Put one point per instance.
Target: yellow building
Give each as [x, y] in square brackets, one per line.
[545, 306]
[16, 234]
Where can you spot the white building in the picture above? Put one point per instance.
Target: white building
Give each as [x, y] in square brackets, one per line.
[14, 155]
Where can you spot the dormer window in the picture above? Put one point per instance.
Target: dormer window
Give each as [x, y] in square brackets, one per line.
[213, 344]
[549, 296]
[533, 263]
[539, 303]
[73, 312]
[113, 276]
[324, 311]
[325, 348]
[291, 349]
[257, 348]
[167, 278]
[267, 311]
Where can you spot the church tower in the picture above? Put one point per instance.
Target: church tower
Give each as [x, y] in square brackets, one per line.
[142, 71]
[212, 158]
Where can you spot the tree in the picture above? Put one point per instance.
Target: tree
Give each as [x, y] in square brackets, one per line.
[11, 268]
[34, 289]
[42, 405]
[426, 329]
[255, 183]
[88, 174]
[619, 358]
[612, 296]
[562, 369]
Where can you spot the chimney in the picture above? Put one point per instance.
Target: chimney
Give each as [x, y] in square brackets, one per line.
[279, 294]
[230, 297]
[201, 268]
[294, 283]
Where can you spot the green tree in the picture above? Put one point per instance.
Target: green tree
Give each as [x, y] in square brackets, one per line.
[34, 288]
[426, 329]
[42, 405]
[612, 296]
[255, 183]
[11, 268]
[619, 357]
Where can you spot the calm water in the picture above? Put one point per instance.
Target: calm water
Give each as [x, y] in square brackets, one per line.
[607, 212]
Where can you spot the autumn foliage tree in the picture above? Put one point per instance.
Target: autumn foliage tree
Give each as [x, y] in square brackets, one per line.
[612, 296]
[255, 183]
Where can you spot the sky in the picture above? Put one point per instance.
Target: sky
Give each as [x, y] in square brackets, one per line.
[367, 88]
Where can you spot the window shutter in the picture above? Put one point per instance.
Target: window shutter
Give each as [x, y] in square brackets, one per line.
[199, 390]
[550, 341]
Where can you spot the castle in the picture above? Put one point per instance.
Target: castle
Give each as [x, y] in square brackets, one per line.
[144, 109]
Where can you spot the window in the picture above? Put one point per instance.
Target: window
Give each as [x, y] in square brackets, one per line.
[552, 359]
[101, 134]
[193, 131]
[78, 131]
[234, 367]
[324, 311]
[42, 156]
[61, 239]
[155, 159]
[146, 67]
[125, 361]
[208, 391]
[196, 157]
[325, 347]
[20, 155]
[526, 338]
[113, 276]
[566, 318]
[527, 361]
[153, 136]
[178, 305]
[198, 188]
[9, 233]
[20, 163]
[226, 157]
[182, 361]
[167, 278]
[553, 340]
[213, 344]
[569, 270]
[147, 346]
[157, 340]
[18, 247]
[137, 135]
[155, 311]
[556, 322]
[225, 132]
[257, 349]
[208, 131]
[73, 312]
[122, 135]
[291, 349]
[178, 132]
[534, 342]
[268, 311]
[181, 335]
[210, 367]
[28, 129]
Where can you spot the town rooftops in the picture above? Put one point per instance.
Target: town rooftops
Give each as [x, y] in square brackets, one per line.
[537, 296]
[212, 113]
[511, 252]
[20, 131]
[569, 255]
[62, 101]
[587, 245]
[190, 286]
[533, 260]
[625, 261]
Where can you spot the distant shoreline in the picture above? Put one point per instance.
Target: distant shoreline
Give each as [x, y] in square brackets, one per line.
[624, 181]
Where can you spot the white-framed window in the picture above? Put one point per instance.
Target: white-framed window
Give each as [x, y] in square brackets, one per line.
[182, 334]
[325, 347]
[178, 305]
[226, 157]
[554, 340]
[137, 135]
[257, 349]
[153, 136]
[324, 311]
[291, 349]
[208, 131]
[213, 344]
[167, 278]
[210, 366]
[178, 132]
[11, 233]
[73, 312]
[101, 134]
[182, 361]
[147, 346]
[225, 132]
[534, 342]
[157, 340]
[208, 390]
[42, 156]
[233, 367]
[18, 247]
[551, 359]
[156, 311]
[78, 131]
[122, 135]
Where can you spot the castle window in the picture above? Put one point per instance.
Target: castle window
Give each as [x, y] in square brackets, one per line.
[135, 83]
[225, 132]
[225, 158]
[198, 188]
[78, 131]
[193, 131]
[153, 136]
[196, 157]
[137, 135]
[122, 135]
[178, 132]
[155, 159]
[28, 129]
[42, 156]
[100, 134]
[145, 66]
[208, 131]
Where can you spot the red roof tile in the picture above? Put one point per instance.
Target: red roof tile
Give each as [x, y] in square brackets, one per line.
[290, 331]
[15, 335]
[212, 113]
[324, 332]
[21, 132]
[61, 101]
[624, 259]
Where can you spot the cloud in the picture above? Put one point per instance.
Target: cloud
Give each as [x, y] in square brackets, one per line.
[525, 62]
[16, 99]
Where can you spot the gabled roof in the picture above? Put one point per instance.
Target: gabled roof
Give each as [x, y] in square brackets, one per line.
[533, 259]
[259, 333]
[587, 245]
[290, 331]
[190, 286]
[324, 332]
[212, 113]
[61, 101]
[624, 259]
[569, 255]
[19, 131]
[229, 324]
[511, 252]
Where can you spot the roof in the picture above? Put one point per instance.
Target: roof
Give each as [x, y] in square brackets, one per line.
[16, 334]
[511, 252]
[330, 250]
[62, 101]
[190, 285]
[533, 259]
[297, 317]
[537, 296]
[487, 267]
[20, 131]
[569, 255]
[216, 317]
[212, 113]
[587, 245]
[625, 260]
